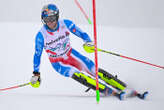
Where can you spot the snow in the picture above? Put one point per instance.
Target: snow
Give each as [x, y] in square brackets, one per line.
[58, 92]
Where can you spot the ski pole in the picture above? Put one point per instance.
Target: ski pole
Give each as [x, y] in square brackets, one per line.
[91, 49]
[132, 59]
[14, 87]
[78, 4]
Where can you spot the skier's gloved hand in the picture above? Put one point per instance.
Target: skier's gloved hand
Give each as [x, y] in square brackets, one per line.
[89, 47]
[35, 80]
[89, 44]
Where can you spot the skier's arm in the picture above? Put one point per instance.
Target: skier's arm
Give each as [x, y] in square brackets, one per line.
[39, 44]
[77, 31]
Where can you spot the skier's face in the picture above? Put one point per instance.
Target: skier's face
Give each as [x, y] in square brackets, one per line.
[52, 25]
[51, 22]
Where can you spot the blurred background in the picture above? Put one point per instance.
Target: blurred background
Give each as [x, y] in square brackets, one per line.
[133, 28]
[124, 13]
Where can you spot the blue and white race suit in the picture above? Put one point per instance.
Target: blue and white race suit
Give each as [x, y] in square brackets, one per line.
[64, 59]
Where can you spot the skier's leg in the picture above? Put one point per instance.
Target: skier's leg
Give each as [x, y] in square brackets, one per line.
[84, 63]
[64, 69]
[88, 66]
[71, 71]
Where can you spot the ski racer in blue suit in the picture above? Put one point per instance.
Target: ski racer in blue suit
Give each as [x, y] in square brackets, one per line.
[54, 38]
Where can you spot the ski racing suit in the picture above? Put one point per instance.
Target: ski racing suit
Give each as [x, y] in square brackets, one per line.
[64, 59]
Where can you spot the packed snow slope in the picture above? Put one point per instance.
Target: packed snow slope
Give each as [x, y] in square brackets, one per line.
[59, 93]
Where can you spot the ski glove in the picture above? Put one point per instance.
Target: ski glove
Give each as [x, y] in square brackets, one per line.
[89, 47]
[35, 80]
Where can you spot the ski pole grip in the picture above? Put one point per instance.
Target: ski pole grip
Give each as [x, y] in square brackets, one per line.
[88, 49]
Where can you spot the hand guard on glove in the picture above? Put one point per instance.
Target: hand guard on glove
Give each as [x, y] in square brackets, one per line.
[35, 80]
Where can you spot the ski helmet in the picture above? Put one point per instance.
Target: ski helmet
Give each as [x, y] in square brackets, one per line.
[49, 13]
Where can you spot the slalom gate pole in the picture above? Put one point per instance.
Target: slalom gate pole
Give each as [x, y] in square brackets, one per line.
[78, 4]
[96, 56]
[14, 87]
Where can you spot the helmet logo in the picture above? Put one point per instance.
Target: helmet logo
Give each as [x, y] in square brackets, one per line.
[50, 12]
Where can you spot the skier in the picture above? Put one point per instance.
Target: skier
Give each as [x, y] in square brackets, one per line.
[54, 38]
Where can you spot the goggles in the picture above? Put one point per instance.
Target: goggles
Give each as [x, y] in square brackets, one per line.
[50, 19]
